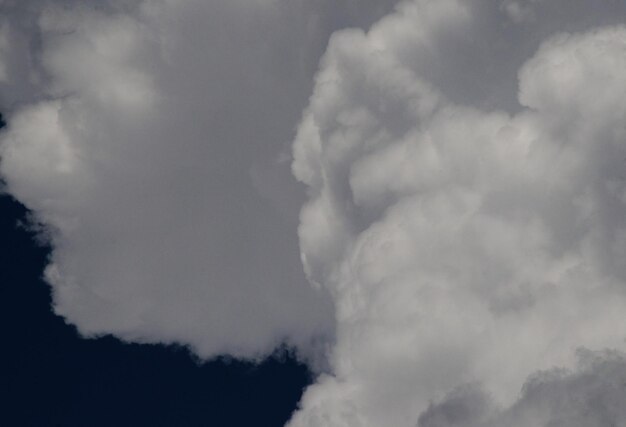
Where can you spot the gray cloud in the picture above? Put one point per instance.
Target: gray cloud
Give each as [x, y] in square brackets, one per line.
[593, 395]
[466, 211]
[465, 238]
[147, 137]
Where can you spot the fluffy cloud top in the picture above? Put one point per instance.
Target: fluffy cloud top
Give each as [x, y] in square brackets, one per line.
[467, 239]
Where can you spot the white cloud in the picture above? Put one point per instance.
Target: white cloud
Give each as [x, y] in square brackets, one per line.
[592, 395]
[466, 222]
[464, 238]
[145, 137]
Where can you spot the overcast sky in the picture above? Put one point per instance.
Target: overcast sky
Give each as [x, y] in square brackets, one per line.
[426, 200]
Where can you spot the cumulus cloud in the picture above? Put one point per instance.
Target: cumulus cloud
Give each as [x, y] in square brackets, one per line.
[592, 395]
[146, 137]
[465, 229]
[466, 165]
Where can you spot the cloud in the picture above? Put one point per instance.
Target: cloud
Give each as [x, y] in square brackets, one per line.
[145, 136]
[465, 227]
[590, 396]
[467, 211]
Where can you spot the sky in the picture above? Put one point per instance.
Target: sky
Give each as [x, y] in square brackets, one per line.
[53, 377]
[414, 211]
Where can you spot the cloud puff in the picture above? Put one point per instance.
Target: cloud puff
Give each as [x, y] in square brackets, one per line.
[466, 236]
[590, 396]
[146, 137]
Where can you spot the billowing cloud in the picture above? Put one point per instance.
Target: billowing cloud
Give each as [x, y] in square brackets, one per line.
[465, 229]
[466, 165]
[147, 138]
[593, 395]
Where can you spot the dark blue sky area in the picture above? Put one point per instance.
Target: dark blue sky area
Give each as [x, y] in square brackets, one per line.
[50, 377]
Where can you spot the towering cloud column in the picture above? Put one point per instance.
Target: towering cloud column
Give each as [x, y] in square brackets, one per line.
[472, 243]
